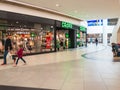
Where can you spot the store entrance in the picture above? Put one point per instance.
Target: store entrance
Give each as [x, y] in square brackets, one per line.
[62, 40]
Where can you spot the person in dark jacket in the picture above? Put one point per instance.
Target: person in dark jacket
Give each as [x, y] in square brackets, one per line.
[20, 54]
[7, 47]
[114, 49]
[96, 41]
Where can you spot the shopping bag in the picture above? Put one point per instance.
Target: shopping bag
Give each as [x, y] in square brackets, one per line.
[9, 56]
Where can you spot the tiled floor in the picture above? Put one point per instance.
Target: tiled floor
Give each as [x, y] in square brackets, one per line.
[65, 70]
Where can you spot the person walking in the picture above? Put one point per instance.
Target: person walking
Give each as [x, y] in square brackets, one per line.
[96, 41]
[20, 55]
[7, 47]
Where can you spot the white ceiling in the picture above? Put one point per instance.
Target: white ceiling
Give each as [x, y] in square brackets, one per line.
[82, 9]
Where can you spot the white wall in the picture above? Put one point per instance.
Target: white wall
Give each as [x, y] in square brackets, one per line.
[83, 23]
[110, 29]
[115, 32]
[94, 29]
[33, 12]
[118, 36]
[99, 29]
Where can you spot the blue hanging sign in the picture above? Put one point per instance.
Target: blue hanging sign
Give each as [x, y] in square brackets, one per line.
[95, 22]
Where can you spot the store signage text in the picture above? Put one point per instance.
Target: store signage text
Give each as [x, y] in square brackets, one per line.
[23, 32]
[66, 25]
[82, 28]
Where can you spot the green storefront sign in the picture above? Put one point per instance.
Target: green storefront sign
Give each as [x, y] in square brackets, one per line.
[67, 25]
[82, 28]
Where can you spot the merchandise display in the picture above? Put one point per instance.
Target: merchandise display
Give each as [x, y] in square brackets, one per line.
[32, 40]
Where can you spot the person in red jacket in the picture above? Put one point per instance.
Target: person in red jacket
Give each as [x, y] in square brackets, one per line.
[20, 55]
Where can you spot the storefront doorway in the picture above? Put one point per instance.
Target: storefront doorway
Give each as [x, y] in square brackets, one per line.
[65, 39]
[65, 34]
[81, 39]
[62, 40]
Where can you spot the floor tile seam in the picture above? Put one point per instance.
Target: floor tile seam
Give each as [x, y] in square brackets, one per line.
[30, 66]
[68, 72]
[103, 81]
[43, 64]
[83, 81]
[30, 86]
[100, 81]
[40, 64]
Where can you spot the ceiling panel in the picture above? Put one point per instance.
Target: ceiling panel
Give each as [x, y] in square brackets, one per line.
[82, 9]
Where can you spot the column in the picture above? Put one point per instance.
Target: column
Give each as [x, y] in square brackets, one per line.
[104, 32]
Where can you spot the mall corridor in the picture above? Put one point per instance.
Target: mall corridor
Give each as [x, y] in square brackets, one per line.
[65, 70]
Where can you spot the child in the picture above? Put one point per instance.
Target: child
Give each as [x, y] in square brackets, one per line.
[20, 54]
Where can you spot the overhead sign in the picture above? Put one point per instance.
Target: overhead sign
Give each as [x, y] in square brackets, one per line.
[95, 22]
[66, 25]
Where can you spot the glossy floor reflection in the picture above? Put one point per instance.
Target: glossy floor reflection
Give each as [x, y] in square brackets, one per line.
[66, 70]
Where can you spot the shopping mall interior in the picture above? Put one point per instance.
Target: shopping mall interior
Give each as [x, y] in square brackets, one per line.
[66, 45]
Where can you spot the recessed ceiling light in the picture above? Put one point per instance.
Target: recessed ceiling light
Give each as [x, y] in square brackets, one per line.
[17, 22]
[51, 26]
[57, 5]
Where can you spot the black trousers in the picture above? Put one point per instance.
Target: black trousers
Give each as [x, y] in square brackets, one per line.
[21, 59]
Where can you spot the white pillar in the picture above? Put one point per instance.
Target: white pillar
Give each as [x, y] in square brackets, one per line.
[104, 32]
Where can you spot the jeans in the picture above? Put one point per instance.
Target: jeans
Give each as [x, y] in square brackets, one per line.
[5, 54]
